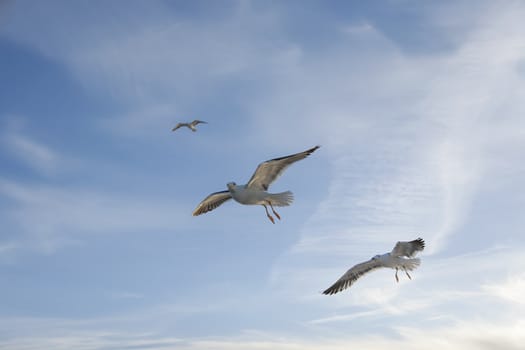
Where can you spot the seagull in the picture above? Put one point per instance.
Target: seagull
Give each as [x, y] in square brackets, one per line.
[395, 260]
[255, 191]
[191, 126]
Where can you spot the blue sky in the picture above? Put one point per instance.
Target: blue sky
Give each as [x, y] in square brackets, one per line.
[418, 107]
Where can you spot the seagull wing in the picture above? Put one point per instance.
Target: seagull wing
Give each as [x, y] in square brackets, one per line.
[353, 275]
[211, 202]
[196, 121]
[177, 126]
[267, 172]
[408, 249]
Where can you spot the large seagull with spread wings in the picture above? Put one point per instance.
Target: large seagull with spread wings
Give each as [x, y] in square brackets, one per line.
[401, 257]
[255, 192]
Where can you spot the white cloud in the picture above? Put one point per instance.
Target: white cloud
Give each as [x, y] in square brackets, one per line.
[155, 120]
[512, 289]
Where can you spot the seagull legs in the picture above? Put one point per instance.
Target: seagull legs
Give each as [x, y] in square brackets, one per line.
[273, 210]
[271, 206]
[404, 268]
[268, 214]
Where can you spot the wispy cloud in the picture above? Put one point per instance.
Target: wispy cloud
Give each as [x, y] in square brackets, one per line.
[473, 335]
[443, 292]
[512, 289]
[90, 340]
[159, 55]
[33, 153]
[421, 167]
[420, 171]
[60, 216]
[124, 295]
[348, 317]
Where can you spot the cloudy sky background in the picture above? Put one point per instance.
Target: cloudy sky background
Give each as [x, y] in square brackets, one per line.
[418, 108]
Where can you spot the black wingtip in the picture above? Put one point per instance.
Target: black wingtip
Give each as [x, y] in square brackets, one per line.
[313, 149]
[421, 242]
[330, 291]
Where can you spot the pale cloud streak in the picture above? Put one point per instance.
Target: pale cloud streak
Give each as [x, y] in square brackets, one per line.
[61, 216]
[473, 335]
[511, 289]
[159, 56]
[34, 154]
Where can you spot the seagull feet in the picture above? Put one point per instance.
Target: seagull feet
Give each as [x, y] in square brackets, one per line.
[268, 215]
[408, 274]
[397, 278]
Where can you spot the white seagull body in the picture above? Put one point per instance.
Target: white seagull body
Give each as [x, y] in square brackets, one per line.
[401, 257]
[191, 126]
[255, 191]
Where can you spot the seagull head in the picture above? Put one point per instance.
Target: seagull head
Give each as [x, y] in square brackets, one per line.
[231, 186]
[375, 257]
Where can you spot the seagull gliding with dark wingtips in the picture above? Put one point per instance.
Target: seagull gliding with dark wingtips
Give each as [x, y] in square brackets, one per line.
[401, 257]
[255, 191]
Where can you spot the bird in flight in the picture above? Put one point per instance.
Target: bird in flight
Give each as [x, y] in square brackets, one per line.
[191, 126]
[401, 257]
[255, 191]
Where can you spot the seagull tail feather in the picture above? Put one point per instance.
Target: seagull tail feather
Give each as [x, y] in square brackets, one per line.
[411, 264]
[282, 199]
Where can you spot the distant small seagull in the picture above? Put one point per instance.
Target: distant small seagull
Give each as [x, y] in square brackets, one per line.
[395, 260]
[191, 126]
[255, 191]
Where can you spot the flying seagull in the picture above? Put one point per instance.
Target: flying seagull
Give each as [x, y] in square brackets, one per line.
[255, 191]
[191, 126]
[401, 257]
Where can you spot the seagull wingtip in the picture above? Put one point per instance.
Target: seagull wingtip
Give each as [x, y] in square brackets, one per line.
[313, 149]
